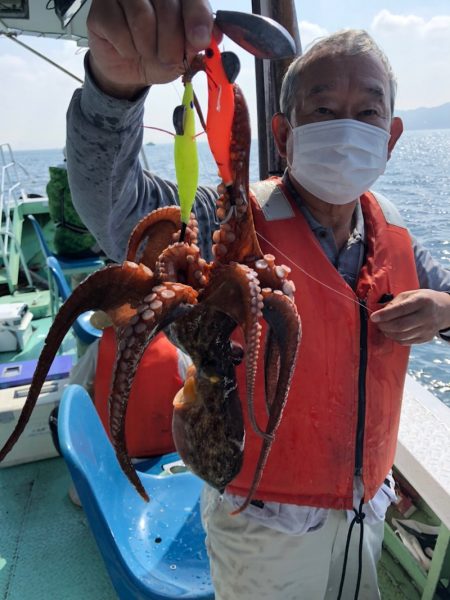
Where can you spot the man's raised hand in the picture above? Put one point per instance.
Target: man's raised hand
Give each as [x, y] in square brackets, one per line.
[137, 43]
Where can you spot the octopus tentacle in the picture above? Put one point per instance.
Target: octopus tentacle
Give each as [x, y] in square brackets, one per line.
[155, 232]
[235, 290]
[281, 315]
[243, 247]
[190, 233]
[271, 367]
[274, 276]
[158, 226]
[182, 262]
[156, 311]
[284, 322]
[109, 290]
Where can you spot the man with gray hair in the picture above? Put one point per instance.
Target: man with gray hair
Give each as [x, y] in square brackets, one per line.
[351, 42]
[315, 527]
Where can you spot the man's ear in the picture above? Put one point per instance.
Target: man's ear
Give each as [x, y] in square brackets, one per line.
[396, 132]
[280, 130]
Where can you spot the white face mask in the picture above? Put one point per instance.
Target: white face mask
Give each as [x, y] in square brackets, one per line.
[338, 160]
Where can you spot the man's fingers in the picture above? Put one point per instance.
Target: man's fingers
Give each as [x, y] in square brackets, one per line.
[141, 21]
[108, 22]
[399, 324]
[413, 317]
[393, 311]
[170, 31]
[414, 336]
[136, 43]
[403, 304]
[198, 23]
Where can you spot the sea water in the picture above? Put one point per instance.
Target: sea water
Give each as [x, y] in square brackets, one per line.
[417, 180]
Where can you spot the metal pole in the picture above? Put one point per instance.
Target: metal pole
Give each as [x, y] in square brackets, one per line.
[13, 38]
[269, 76]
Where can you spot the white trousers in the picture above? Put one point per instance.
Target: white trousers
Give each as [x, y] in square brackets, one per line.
[253, 562]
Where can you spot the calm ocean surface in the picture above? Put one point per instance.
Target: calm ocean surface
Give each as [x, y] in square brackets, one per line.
[417, 180]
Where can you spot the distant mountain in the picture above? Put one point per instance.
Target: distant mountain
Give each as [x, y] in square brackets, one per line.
[437, 117]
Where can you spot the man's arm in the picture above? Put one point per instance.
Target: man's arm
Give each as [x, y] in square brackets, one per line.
[431, 274]
[133, 45]
[417, 316]
[109, 189]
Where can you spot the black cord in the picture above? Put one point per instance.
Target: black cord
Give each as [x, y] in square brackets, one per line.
[344, 566]
[182, 232]
[360, 516]
[359, 519]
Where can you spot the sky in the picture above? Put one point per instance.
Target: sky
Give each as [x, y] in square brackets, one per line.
[415, 35]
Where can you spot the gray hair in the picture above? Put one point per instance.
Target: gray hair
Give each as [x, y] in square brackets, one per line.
[348, 42]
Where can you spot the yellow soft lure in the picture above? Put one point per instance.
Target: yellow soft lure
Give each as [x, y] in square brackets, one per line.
[185, 154]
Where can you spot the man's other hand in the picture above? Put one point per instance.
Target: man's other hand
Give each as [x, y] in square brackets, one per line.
[414, 317]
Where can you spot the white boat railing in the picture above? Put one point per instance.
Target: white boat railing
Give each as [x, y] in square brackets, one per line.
[12, 194]
[423, 459]
[423, 449]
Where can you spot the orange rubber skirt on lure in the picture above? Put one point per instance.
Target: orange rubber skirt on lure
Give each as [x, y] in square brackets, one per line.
[219, 121]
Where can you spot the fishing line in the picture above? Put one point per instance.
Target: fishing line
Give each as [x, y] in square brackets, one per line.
[206, 164]
[159, 129]
[177, 92]
[312, 276]
[201, 120]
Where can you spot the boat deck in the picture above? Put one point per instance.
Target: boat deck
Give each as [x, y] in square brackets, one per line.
[47, 550]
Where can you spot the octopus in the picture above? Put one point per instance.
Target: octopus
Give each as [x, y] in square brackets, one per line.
[165, 285]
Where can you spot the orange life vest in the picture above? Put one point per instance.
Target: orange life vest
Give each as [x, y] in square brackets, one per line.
[148, 429]
[345, 398]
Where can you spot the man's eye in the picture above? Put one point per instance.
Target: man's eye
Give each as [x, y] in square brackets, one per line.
[369, 112]
[322, 110]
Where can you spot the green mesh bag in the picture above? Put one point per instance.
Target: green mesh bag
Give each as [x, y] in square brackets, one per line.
[71, 235]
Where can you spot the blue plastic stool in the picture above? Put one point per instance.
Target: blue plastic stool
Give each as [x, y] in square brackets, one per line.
[152, 550]
[82, 326]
